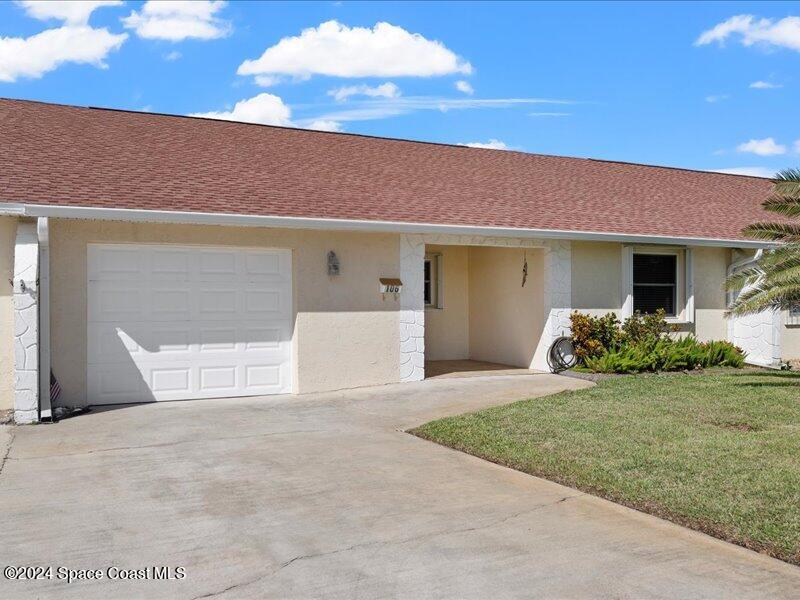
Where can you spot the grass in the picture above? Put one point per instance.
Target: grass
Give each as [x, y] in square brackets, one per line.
[715, 452]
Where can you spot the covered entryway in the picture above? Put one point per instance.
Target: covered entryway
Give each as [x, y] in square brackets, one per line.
[169, 322]
[484, 309]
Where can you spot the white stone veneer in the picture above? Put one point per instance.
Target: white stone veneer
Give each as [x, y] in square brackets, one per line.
[412, 308]
[759, 337]
[557, 293]
[26, 324]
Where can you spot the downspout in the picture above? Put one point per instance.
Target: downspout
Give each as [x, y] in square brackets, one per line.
[43, 232]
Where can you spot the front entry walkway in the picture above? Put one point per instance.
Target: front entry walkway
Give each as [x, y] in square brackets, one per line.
[470, 368]
[326, 496]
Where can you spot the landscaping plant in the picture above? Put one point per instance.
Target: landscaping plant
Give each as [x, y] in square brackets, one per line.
[773, 281]
[642, 343]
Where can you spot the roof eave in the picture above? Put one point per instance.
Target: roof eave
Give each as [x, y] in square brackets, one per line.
[243, 220]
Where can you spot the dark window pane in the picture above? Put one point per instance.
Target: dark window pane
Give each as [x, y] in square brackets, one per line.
[654, 268]
[427, 285]
[649, 298]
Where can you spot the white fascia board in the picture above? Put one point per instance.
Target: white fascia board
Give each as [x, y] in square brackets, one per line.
[241, 220]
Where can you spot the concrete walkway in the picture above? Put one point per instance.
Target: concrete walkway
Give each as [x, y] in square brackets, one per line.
[325, 496]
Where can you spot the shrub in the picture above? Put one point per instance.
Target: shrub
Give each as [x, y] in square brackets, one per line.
[591, 336]
[639, 327]
[641, 344]
[666, 354]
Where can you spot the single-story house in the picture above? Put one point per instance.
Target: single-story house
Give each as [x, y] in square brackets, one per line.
[157, 257]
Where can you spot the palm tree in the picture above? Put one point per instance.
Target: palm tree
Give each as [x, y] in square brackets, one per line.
[772, 282]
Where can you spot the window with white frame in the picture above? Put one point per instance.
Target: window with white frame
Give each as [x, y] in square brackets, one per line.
[431, 287]
[655, 283]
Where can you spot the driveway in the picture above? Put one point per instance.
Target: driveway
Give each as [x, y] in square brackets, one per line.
[325, 496]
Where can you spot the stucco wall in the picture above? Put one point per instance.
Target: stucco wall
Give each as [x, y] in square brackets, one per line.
[710, 271]
[447, 328]
[596, 289]
[345, 333]
[505, 320]
[8, 232]
[596, 277]
[790, 340]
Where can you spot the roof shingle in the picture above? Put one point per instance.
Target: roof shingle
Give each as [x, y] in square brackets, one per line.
[73, 156]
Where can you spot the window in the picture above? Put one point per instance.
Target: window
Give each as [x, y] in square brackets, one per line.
[655, 283]
[431, 280]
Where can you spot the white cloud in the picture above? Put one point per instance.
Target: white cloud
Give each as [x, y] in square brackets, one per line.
[765, 85]
[68, 11]
[717, 98]
[492, 144]
[34, 56]
[268, 80]
[174, 55]
[266, 109]
[765, 147]
[320, 125]
[784, 33]
[176, 20]
[385, 90]
[368, 110]
[337, 50]
[465, 87]
[752, 171]
[796, 147]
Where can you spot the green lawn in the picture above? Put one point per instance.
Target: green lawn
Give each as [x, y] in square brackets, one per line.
[716, 452]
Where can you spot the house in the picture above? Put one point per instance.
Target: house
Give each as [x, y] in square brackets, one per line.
[155, 257]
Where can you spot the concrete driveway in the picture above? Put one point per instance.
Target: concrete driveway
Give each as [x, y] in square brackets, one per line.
[325, 496]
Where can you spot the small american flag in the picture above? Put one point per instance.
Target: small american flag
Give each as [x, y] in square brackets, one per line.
[55, 389]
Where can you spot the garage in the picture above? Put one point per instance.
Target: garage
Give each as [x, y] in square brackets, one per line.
[168, 322]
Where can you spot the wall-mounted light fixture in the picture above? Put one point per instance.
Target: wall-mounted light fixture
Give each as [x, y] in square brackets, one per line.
[333, 264]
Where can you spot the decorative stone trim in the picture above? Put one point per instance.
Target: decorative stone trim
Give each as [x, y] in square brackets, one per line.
[759, 337]
[446, 239]
[557, 293]
[557, 298]
[26, 324]
[412, 308]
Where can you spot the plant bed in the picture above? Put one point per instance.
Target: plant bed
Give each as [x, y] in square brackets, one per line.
[642, 343]
[717, 452]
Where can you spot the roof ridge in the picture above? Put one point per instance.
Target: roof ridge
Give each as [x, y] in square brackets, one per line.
[378, 137]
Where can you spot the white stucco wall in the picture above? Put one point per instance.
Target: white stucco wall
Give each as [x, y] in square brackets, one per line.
[346, 334]
[710, 266]
[597, 273]
[506, 320]
[447, 328]
[790, 338]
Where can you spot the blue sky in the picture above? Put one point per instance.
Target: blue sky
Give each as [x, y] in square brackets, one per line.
[698, 85]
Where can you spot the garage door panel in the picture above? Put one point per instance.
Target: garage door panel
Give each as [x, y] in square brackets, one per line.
[120, 263]
[121, 301]
[170, 265]
[184, 331]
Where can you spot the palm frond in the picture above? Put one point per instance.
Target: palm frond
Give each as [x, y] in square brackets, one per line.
[742, 278]
[788, 206]
[777, 232]
[758, 299]
[787, 182]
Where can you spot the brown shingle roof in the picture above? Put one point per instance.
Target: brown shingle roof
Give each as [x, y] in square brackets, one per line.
[65, 155]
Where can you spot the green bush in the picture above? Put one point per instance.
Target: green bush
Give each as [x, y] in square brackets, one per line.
[642, 343]
[592, 336]
[639, 327]
[666, 354]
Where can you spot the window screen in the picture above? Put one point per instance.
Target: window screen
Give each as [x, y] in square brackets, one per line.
[654, 283]
[428, 285]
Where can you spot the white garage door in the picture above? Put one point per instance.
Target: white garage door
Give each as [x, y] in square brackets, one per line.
[180, 322]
